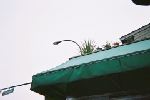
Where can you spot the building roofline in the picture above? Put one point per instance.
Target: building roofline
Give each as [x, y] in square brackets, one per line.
[137, 30]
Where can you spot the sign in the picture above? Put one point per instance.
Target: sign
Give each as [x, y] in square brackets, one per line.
[10, 90]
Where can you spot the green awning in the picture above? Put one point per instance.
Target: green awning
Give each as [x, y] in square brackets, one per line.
[97, 73]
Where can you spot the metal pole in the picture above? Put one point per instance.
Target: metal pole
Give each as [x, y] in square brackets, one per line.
[15, 86]
[57, 42]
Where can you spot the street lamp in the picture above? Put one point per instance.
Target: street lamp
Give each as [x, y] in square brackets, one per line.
[57, 42]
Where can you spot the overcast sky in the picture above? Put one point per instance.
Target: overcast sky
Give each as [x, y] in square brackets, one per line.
[29, 27]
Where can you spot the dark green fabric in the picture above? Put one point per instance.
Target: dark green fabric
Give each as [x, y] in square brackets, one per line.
[119, 64]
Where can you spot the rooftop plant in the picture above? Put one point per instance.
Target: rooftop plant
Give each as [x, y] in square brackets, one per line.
[87, 47]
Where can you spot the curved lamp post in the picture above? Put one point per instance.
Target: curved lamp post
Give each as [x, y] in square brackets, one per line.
[57, 42]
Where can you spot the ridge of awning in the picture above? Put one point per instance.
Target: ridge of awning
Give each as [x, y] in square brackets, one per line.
[102, 55]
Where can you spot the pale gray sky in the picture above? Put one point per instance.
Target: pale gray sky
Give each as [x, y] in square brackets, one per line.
[29, 27]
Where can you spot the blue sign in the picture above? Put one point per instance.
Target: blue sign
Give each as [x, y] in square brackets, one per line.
[8, 91]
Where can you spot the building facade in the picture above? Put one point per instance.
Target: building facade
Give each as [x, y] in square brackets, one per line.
[137, 35]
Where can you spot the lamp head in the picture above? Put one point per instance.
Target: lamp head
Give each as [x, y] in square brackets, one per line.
[57, 42]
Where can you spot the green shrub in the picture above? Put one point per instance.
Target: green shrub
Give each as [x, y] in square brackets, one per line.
[87, 47]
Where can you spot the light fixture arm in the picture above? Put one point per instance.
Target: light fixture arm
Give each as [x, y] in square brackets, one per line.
[57, 42]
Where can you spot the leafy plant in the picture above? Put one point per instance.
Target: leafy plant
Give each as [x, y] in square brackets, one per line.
[107, 46]
[87, 47]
